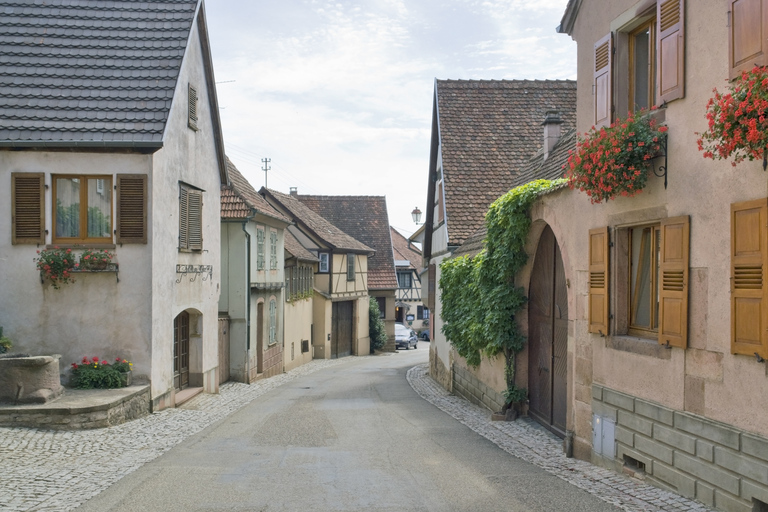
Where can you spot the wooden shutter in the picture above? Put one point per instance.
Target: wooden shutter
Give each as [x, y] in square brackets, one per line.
[431, 280]
[747, 21]
[27, 208]
[598, 281]
[195, 220]
[131, 209]
[183, 218]
[673, 282]
[670, 44]
[602, 84]
[749, 293]
[192, 117]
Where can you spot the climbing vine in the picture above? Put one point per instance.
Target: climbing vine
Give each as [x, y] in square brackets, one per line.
[479, 296]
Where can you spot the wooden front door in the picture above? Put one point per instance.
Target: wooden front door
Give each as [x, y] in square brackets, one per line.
[341, 332]
[548, 337]
[181, 351]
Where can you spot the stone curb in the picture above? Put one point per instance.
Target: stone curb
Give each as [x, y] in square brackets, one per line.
[528, 441]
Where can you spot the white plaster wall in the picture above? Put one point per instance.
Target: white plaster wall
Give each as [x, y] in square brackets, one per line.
[94, 316]
[187, 156]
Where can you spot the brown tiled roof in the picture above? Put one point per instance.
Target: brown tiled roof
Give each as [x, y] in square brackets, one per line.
[365, 218]
[404, 250]
[298, 251]
[488, 131]
[553, 167]
[239, 199]
[319, 226]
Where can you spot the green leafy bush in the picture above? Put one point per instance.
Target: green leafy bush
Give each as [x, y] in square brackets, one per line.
[376, 328]
[95, 374]
[479, 295]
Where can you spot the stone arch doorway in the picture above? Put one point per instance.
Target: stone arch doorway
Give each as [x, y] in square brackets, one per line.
[181, 351]
[548, 337]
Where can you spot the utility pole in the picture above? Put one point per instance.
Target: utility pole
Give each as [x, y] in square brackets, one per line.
[266, 169]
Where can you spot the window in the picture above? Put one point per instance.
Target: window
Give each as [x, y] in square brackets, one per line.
[350, 267]
[642, 64]
[382, 302]
[651, 284]
[81, 214]
[422, 313]
[192, 110]
[260, 258]
[644, 249]
[404, 279]
[272, 250]
[323, 267]
[272, 322]
[190, 218]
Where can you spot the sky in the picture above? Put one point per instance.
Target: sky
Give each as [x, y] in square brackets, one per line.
[338, 94]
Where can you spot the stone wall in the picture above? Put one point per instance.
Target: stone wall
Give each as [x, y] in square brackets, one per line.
[712, 462]
[471, 388]
[73, 417]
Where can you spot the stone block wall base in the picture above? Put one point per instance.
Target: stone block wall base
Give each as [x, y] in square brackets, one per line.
[469, 387]
[64, 416]
[712, 462]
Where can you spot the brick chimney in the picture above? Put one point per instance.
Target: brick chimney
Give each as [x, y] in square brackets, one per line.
[552, 122]
[294, 191]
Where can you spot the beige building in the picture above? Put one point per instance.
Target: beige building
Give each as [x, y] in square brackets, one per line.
[668, 386]
[410, 310]
[340, 290]
[132, 165]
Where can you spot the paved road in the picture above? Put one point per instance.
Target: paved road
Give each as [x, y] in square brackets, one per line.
[354, 436]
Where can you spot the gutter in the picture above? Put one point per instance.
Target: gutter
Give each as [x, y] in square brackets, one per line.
[80, 144]
[248, 281]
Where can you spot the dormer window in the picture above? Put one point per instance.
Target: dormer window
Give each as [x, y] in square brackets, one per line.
[323, 267]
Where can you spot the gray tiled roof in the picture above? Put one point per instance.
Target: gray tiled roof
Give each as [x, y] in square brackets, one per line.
[89, 72]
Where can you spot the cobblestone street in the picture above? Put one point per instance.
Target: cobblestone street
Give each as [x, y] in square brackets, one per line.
[58, 470]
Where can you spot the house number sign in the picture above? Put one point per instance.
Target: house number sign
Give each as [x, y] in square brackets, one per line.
[205, 271]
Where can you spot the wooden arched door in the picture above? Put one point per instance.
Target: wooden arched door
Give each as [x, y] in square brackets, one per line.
[548, 336]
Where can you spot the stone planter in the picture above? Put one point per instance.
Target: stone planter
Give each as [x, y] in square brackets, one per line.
[29, 379]
[125, 379]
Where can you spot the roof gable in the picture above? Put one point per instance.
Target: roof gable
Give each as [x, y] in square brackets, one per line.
[488, 130]
[365, 218]
[404, 250]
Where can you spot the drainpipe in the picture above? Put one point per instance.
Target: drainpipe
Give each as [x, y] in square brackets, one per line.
[247, 282]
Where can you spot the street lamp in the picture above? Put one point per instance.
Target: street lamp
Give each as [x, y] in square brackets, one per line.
[416, 214]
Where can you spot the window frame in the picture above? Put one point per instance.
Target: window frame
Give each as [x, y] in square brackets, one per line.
[651, 25]
[407, 276]
[261, 262]
[632, 328]
[83, 209]
[272, 322]
[272, 250]
[323, 265]
[351, 274]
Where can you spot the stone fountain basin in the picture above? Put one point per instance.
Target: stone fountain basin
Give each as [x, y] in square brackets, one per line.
[30, 379]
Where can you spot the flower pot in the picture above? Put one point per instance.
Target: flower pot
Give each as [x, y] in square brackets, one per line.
[125, 379]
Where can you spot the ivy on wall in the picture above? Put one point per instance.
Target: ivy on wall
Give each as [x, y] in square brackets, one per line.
[479, 295]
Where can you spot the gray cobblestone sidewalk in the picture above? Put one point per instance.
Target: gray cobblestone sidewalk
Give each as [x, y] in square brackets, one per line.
[528, 441]
[45, 470]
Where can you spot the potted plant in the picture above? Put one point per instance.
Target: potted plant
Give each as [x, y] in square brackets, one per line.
[614, 161]
[737, 126]
[95, 259]
[56, 264]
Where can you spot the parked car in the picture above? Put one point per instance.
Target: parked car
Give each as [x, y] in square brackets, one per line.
[424, 335]
[405, 337]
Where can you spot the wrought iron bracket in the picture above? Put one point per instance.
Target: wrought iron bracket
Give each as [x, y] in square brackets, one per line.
[204, 271]
[662, 169]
